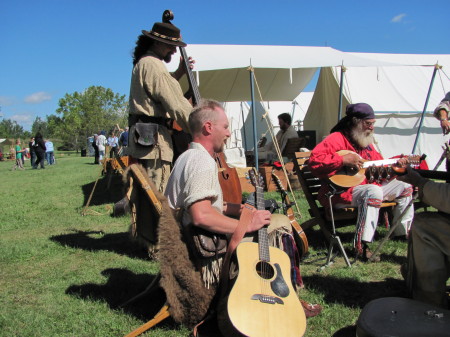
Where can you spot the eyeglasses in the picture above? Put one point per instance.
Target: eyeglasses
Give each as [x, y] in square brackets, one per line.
[368, 124]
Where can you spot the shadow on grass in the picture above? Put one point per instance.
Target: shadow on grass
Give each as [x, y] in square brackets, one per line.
[121, 286]
[348, 292]
[317, 240]
[349, 331]
[120, 243]
[109, 189]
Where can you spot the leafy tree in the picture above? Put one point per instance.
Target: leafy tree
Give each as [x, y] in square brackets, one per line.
[10, 129]
[83, 114]
[41, 126]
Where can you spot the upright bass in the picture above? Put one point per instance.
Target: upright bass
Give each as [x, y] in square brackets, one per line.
[228, 177]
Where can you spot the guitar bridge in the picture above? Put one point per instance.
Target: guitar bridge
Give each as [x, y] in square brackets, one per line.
[268, 299]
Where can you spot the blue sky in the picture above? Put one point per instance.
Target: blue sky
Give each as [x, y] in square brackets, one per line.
[52, 47]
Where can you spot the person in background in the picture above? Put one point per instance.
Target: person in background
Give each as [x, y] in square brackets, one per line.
[123, 141]
[442, 113]
[49, 152]
[19, 154]
[95, 147]
[39, 149]
[287, 131]
[101, 143]
[113, 143]
[32, 152]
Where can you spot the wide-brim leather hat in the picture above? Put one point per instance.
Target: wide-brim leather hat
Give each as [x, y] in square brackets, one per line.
[166, 33]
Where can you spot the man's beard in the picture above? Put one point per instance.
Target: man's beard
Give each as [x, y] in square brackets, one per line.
[167, 58]
[363, 138]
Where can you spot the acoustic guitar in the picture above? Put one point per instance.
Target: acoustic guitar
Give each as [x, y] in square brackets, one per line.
[262, 301]
[373, 171]
[299, 234]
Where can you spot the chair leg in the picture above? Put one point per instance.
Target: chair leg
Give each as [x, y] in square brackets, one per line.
[335, 240]
[393, 227]
[159, 317]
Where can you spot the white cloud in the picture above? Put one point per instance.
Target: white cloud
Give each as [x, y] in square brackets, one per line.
[38, 97]
[20, 119]
[398, 18]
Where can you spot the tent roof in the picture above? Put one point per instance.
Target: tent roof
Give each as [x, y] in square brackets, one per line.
[214, 57]
[281, 72]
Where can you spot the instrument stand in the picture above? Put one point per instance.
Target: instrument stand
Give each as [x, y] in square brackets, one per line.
[335, 240]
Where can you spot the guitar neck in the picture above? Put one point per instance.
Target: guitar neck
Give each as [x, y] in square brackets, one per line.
[191, 79]
[263, 237]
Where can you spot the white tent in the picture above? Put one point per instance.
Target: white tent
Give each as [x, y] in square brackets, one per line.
[241, 122]
[395, 85]
[281, 72]
[398, 95]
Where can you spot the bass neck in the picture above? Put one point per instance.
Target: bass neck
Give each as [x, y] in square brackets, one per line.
[191, 78]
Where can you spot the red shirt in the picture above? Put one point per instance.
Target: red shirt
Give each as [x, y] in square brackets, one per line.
[325, 162]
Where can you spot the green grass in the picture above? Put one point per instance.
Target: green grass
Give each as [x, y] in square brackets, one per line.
[63, 274]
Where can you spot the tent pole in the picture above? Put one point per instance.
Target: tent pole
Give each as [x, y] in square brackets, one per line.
[255, 141]
[243, 127]
[436, 67]
[341, 88]
[294, 103]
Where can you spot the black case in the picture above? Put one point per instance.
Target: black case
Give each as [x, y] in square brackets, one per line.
[395, 316]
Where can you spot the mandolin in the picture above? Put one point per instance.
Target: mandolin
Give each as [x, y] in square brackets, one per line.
[262, 300]
[299, 235]
[373, 171]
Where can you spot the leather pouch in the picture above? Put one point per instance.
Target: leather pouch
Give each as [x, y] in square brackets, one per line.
[145, 134]
[208, 244]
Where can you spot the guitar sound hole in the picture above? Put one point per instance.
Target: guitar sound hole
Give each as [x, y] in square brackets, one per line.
[265, 270]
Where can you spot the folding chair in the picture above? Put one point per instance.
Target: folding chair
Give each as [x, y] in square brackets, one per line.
[327, 221]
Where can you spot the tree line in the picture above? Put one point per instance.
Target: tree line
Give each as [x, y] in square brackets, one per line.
[79, 115]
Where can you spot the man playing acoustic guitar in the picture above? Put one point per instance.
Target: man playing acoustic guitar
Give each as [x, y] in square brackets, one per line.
[194, 191]
[355, 132]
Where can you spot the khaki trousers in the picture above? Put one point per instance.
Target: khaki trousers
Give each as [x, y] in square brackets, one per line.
[429, 258]
[158, 171]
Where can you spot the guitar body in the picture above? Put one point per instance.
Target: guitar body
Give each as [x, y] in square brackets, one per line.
[277, 313]
[348, 177]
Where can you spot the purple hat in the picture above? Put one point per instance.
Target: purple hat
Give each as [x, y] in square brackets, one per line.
[360, 110]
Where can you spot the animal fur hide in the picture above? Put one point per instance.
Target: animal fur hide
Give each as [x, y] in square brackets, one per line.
[188, 298]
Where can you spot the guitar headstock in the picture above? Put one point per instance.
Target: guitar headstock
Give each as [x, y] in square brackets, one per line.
[255, 179]
[415, 159]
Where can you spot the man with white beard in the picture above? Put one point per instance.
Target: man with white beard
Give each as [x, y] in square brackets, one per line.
[354, 132]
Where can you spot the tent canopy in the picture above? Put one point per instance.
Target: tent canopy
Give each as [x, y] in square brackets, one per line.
[396, 85]
[281, 72]
[396, 93]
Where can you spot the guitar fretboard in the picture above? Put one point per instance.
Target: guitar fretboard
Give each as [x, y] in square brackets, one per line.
[263, 237]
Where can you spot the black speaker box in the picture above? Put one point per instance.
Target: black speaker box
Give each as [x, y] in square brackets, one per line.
[310, 136]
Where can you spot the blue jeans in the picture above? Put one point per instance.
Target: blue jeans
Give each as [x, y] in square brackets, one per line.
[49, 157]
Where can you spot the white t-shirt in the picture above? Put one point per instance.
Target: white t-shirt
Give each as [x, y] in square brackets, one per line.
[194, 177]
[101, 142]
